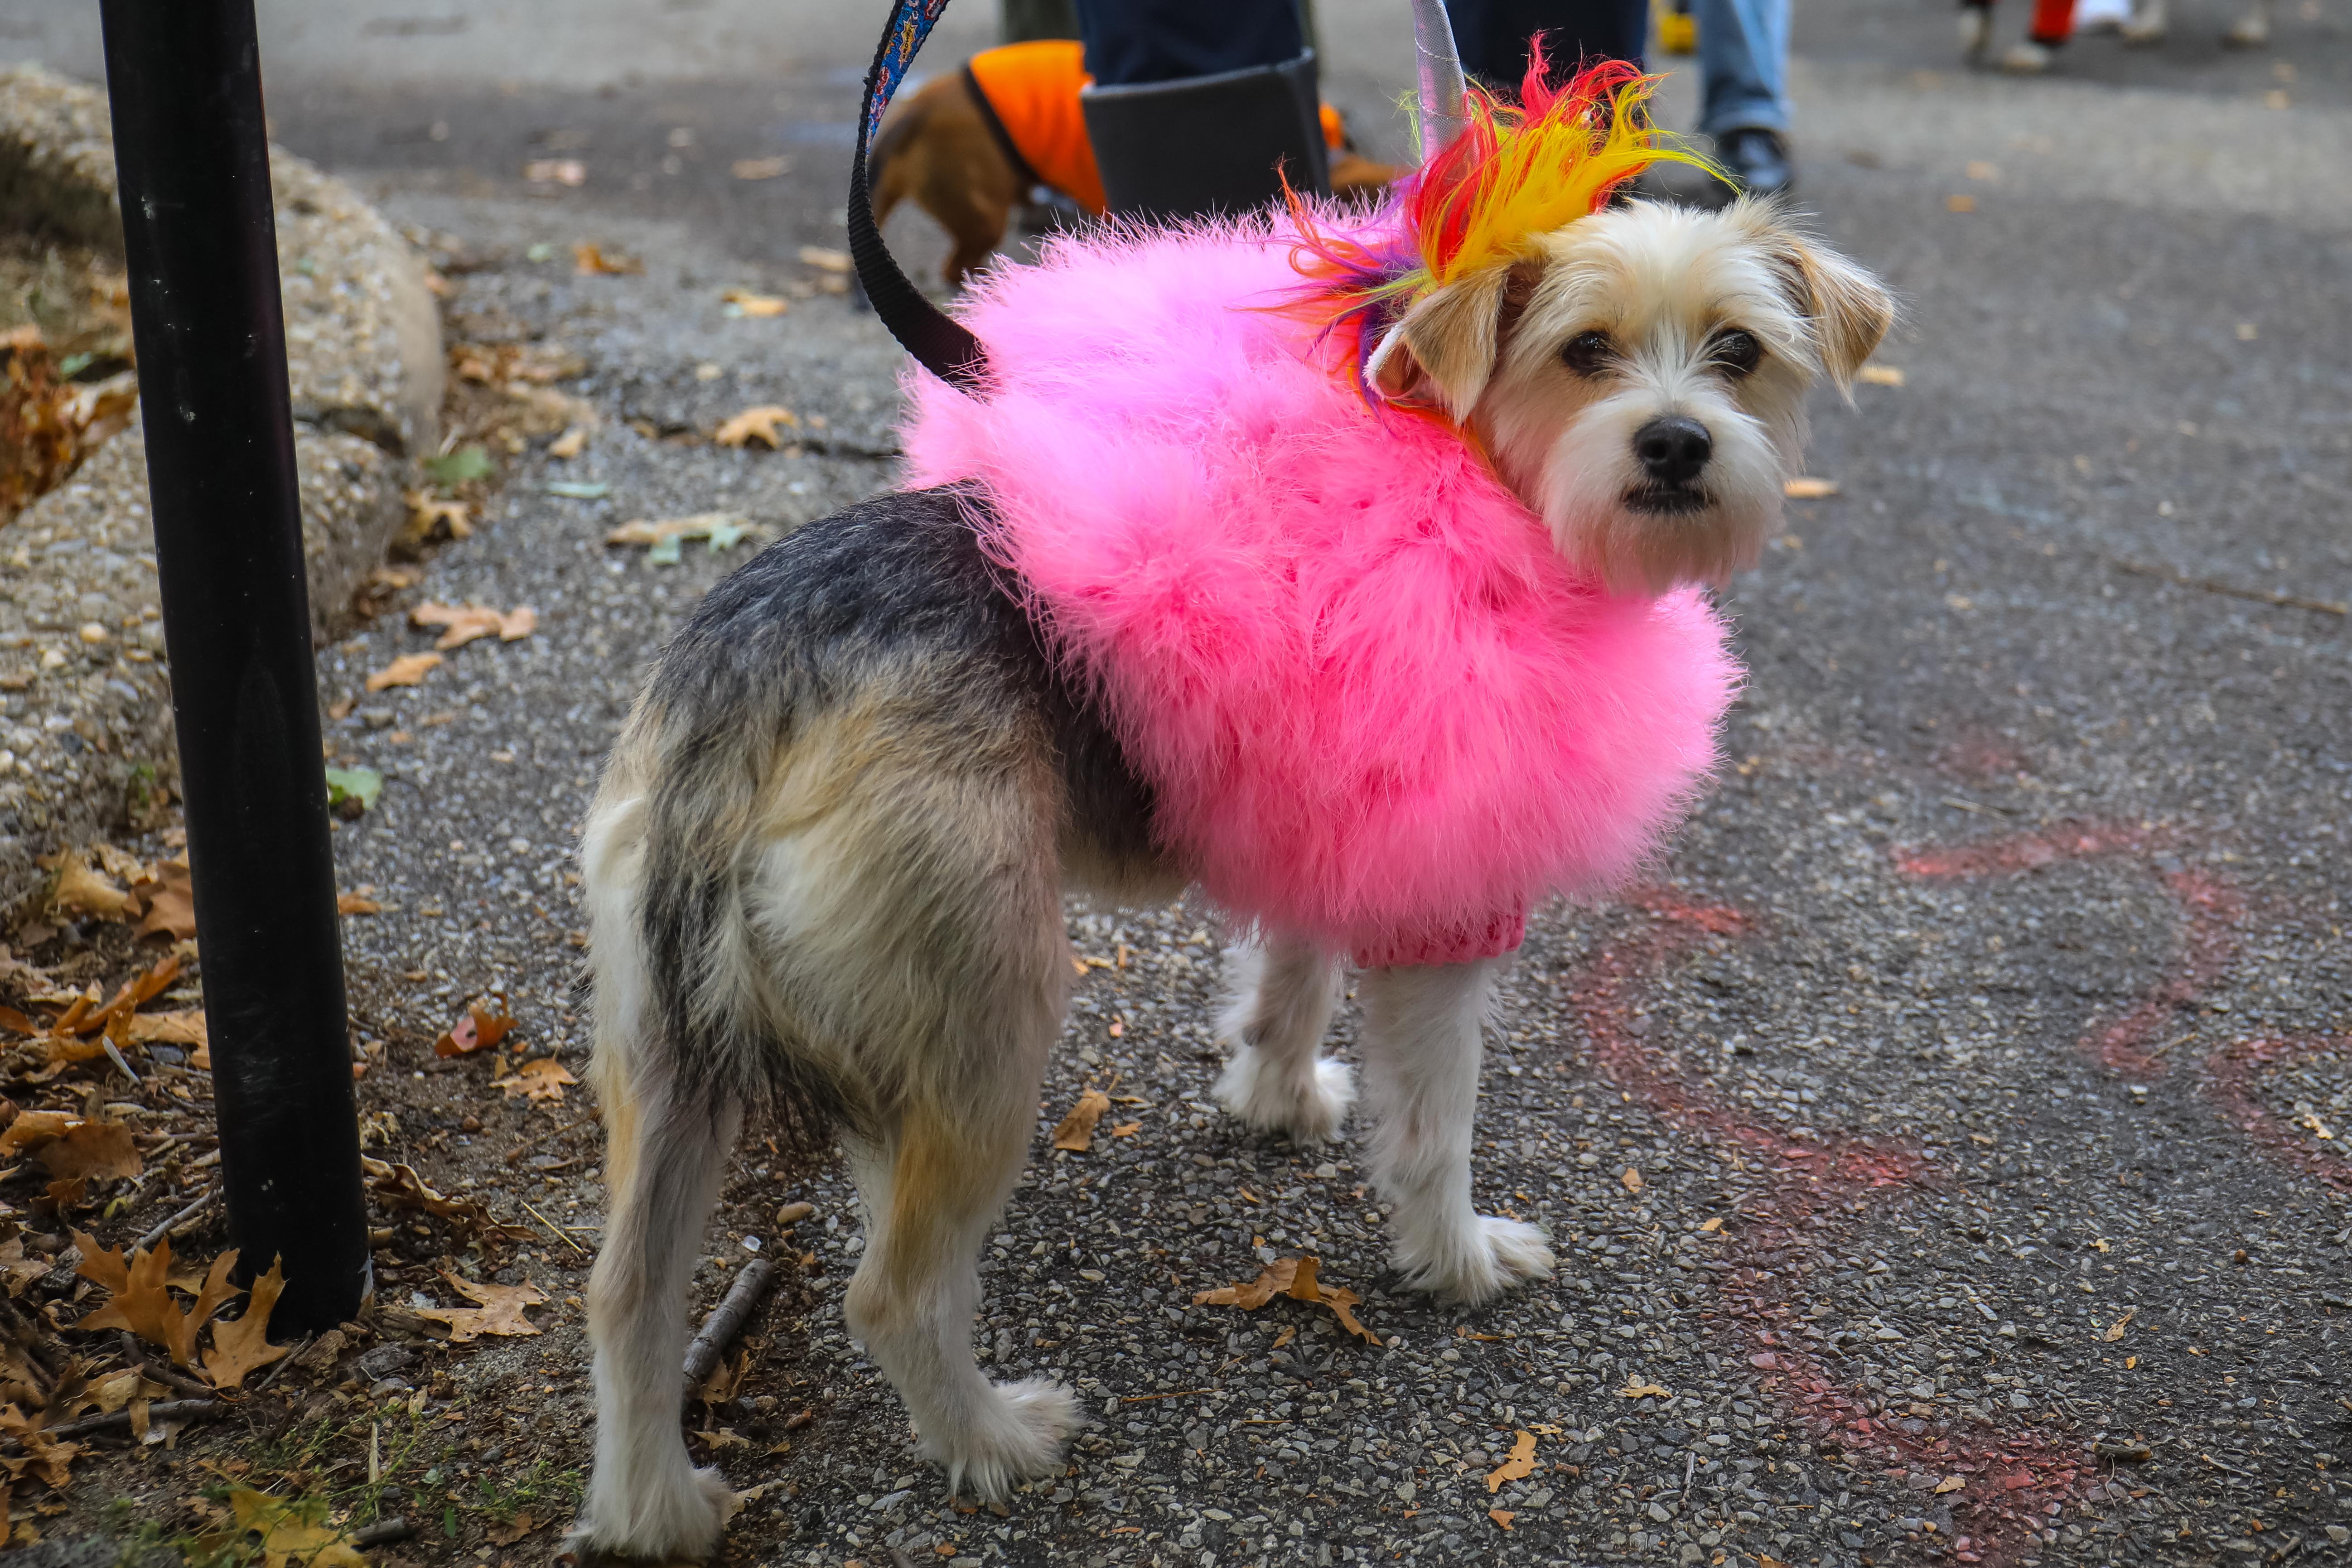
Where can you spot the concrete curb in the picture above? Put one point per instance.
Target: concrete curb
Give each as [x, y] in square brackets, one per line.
[85, 716]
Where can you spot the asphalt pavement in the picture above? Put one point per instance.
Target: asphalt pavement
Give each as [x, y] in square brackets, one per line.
[1949, 1150]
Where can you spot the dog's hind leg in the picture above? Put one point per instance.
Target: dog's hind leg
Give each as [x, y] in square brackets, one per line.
[646, 1499]
[665, 1147]
[1281, 1006]
[1420, 1047]
[931, 1191]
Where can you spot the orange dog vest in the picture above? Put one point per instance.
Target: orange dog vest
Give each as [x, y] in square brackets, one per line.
[1033, 89]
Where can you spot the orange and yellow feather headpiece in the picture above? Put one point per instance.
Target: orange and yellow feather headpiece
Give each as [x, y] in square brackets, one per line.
[1511, 173]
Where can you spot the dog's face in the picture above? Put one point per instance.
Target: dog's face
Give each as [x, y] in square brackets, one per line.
[1640, 378]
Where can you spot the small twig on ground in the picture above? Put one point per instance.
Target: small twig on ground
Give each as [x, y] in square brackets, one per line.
[383, 1533]
[725, 1320]
[159, 1371]
[119, 1421]
[286, 1361]
[553, 1228]
[147, 1243]
[2231, 590]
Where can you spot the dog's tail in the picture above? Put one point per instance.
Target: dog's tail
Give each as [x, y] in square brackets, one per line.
[668, 860]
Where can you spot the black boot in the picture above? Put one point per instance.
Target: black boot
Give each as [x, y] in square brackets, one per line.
[1209, 144]
[1759, 160]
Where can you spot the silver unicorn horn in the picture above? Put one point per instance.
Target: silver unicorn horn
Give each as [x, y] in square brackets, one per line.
[1440, 76]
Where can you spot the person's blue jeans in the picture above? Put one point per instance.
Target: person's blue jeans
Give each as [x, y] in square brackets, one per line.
[1743, 61]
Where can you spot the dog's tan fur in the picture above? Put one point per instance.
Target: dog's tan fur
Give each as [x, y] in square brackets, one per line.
[843, 854]
[1662, 283]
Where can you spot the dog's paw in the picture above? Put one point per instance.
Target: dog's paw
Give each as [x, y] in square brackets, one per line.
[1017, 1434]
[1477, 1263]
[1309, 1107]
[680, 1521]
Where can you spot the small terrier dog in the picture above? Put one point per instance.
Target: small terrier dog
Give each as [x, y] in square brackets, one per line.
[824, 869]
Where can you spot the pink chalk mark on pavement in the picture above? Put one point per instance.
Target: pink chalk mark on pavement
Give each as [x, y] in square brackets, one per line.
[2210, 912]
[2230, 1074]
[2014, 1479]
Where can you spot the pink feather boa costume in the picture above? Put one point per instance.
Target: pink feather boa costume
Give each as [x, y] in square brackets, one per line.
[1378, 713]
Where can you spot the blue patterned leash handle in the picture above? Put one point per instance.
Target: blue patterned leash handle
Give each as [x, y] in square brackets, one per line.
[940, 343]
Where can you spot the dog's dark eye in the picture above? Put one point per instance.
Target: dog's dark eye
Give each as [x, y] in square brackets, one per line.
[1738, 352]
[1588, 354]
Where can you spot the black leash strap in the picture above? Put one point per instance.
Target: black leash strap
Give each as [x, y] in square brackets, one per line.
[940, 344]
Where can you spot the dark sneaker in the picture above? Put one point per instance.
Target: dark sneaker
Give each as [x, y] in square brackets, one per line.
[1759, 160]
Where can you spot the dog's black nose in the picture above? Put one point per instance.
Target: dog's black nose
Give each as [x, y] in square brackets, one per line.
[1673, 448]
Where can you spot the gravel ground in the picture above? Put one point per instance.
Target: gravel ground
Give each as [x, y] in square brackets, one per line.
[1934, 1149]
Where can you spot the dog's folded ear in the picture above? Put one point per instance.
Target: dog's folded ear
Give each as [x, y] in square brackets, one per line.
[1444, 350]
[1849, 310]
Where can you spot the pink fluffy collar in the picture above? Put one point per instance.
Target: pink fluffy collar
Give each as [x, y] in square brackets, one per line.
[1377, 712]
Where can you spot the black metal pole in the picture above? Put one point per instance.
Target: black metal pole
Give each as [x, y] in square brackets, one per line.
[193, 160]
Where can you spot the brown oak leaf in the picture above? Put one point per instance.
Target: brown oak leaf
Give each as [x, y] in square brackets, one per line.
[1077, 1132]
[500, 1310]
[244, 1346]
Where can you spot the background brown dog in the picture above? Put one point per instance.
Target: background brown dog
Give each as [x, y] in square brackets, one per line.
[951, 148]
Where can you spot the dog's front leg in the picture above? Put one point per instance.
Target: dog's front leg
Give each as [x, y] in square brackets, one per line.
[646, 1498]
[1420, 1048]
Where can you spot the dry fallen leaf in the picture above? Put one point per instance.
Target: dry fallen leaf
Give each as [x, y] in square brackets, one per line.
[244, 1346]
[1632, 1180]
[1502, 1517]
[143, 1303]
[464, 625]
[430, 517]
[400, 1187]
[294, 1532]
[1127, 1130]
[747, 303]
[181, 1028]
[1077, 1132]
[825, 260]
[32, 1129]
[1643, 1390]
[1806, 488]
[589, 260]
[522, 1524]
[2116, 1330]
[1521, 1464]
[1951, 1484]
[541, 1083]
[1712, 1226]
[500, 1312]
[757, 425]
[1296, 1278]
[481, 1028]
[566, 446]
[1880, 375]
[170, 902]
[90, 1149]
[80, 888]
[720, 530]
[408, 669]
[356, 904]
